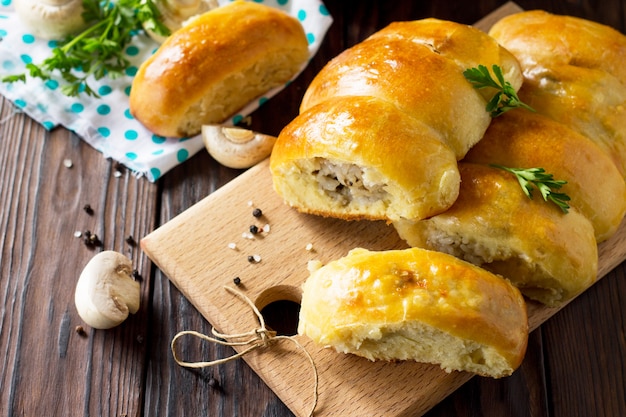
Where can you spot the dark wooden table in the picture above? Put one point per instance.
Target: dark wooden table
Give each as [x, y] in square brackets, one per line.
[575, 365]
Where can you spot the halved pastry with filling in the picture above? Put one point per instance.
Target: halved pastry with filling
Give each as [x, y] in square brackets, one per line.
[363, 158]
[415, 304]
[549, 255]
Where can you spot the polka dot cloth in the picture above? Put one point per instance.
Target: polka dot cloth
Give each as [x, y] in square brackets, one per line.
[106, 123]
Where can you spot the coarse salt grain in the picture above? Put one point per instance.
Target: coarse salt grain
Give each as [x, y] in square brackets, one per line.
[68, 163]
[247, 235]
[266, 228]
[309, 247]
[78, 233]
[232, 245]
[257, 258]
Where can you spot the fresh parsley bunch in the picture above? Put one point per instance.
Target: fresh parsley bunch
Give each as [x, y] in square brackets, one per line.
[506, 97]
[98, 50]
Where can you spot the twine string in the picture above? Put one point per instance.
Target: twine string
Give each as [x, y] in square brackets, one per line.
[256, 338]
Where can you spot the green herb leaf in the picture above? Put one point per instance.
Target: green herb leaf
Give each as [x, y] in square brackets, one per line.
[98, 50]
[531, 178]
[505, 98]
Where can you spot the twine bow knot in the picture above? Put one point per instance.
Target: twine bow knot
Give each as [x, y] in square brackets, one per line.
[260, 337]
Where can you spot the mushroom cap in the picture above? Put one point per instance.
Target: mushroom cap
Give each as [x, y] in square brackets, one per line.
[236, 147]
[106, 292]
[51, 19]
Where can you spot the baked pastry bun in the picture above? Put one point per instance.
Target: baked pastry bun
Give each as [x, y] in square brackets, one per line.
[363, 158]
[574, 72]
[419, 66]
[419, 305]
[523, 139]
[589, 101]
[549, 255]
[538, 37]
[365, 143]
[216, 64]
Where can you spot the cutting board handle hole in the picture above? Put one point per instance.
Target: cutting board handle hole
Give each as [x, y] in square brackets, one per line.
[282, 317]
[280, 307]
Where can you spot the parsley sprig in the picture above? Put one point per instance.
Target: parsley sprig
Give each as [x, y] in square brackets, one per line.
[529, 178]
[505, 98]
[99, 49]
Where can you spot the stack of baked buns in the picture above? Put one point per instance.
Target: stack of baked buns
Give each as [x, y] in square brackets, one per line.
[391, 130]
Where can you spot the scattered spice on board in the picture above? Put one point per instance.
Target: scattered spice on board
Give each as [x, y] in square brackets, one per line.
[254, 258]
[214, 383]
[91, 240]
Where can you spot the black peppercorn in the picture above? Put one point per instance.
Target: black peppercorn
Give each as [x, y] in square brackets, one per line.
[214, 383]
[88, 209]
[254, 229]
[237, 281]
[131, 241]
[81, 331]
[91, 240]
[257, 212]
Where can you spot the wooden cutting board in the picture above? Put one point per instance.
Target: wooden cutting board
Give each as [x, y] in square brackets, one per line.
[194, 251]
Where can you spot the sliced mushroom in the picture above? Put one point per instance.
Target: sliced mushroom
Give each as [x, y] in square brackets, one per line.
[174, 13]
[106, 291]
[236, 147]
[51, 19]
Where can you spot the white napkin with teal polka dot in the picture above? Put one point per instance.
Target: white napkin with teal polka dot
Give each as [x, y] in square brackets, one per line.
[105, 122]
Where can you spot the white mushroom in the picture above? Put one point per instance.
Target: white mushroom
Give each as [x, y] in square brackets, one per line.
[175, 13]
[51, 19]
[106, 291]
[236, 147]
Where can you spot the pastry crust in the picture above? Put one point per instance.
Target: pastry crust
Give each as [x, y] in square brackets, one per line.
[419, 67]
[549, 255]
[216, 64]
[363, 158]
[417, 305]
[522, 139]
[538, 37]
[378, 109]
[574, 72]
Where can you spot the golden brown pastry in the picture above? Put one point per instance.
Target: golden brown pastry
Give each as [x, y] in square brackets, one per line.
[549, 255]
[363, 158]
[419, 67]
[215, 65]
[415, 304]
[574, 72]
[591, 102]
[525, 140]
[537, 37]
[364, 146]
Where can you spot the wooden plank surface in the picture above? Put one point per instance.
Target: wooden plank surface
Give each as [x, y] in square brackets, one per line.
[192, 250]
[47, 367]
[574, 365]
